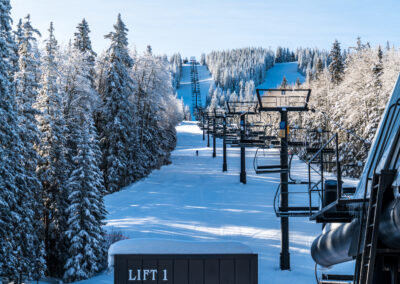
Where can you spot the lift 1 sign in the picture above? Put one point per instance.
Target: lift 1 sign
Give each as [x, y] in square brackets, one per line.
[177, 262]
[146, 274]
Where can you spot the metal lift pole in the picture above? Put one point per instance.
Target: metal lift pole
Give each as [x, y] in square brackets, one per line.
[224, 165]
[242, 150]
[204, 138]
[285, 255]
[214, 154]
[208, 132]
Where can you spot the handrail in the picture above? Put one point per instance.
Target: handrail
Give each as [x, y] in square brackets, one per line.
[322, 148]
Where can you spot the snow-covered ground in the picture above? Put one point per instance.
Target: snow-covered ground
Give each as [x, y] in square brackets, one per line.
[275, 75]
[193, 200]
[185, 89]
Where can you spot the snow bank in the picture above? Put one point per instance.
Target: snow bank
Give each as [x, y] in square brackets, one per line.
[158, 246]
[188, 127]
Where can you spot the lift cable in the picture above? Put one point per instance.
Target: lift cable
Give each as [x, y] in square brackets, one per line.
[351, 132]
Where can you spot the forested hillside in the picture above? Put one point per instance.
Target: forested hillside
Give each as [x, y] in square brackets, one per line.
[232, 68]
[75, 126]
[349, 96]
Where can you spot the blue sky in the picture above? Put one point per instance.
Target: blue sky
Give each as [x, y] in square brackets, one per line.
[193, 27]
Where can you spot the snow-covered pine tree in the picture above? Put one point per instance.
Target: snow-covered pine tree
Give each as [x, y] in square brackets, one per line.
[158, 112]
[284, 83]
[86, 211]
[279, 55]
[86, 253]
[336, 67]
[203, 59]
[117, 119]
[83, 43]
[298, 83]
[249, 91]
[53, 169]
[319, 67]
[12, 179]
[29, 229]
[78, 84]
[176, 69]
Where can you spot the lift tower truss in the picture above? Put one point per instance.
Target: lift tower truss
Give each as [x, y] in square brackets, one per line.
[283, 101]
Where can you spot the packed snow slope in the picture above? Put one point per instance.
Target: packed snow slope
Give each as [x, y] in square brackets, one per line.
[185, 89]
[275, 75]
[193, 200]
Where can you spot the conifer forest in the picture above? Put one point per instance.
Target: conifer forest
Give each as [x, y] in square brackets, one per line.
[81, 128]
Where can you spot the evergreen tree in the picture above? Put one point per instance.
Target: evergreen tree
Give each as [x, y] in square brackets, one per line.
[203, 59]
[31, 227]
[78, 85]
[378, 68]
[116, 123]
[85, 186]
[284, 83]
[176, 69]
[319, 67]
[336, 68]
[149, 50]
[86, 212]
[83, 43]
[387, 46]
[53, 169]
[157, 114]
[12, 179]
[298, 83]
[278, 55]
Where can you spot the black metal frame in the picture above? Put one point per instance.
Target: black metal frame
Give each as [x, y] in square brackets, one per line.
[284, 174]
[252, 109]
[288, 108]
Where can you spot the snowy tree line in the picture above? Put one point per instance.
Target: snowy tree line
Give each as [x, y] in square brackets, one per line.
[231, 69]
[218, 97]
[350, 95]
[74, 126]
[236, 73]
[284, 55]
[310, 60]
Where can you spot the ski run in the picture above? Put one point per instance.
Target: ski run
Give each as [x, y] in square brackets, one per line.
[193, 200]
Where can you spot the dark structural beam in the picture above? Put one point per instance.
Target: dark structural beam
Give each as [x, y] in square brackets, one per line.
[224, 164]
[285, 255]
[242, 150]
[208, 132]
[214, 154]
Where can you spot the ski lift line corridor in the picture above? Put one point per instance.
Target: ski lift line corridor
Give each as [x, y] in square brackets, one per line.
[205, 80]
[193, 200]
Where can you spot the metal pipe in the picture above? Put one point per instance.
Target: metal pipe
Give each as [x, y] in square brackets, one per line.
[333, 245]
[389, 226]
[338, 242]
